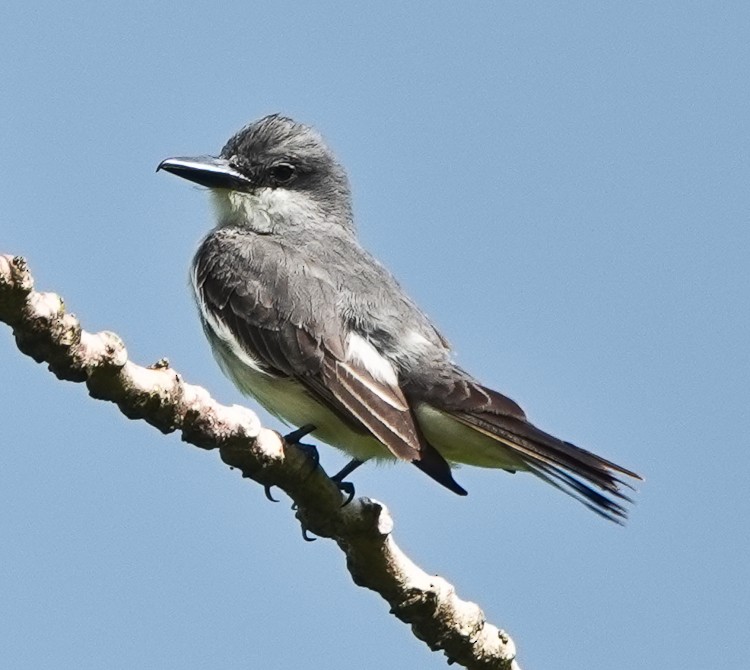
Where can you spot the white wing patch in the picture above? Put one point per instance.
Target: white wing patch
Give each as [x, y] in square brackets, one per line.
[359, 350]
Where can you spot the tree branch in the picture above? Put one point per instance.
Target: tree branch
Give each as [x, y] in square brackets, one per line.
[157, 394]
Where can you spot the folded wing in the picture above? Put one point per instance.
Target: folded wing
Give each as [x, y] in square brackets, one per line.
[287, 324]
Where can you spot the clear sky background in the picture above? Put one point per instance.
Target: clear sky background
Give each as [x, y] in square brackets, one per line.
[562, 186]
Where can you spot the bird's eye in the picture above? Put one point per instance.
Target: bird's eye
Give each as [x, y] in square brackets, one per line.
[283, 173]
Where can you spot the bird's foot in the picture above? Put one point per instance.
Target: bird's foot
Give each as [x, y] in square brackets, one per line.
[346, 487]
[296, 435]
[294, 438]
[312, 453]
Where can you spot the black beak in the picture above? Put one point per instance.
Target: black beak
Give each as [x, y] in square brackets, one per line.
[207, 171]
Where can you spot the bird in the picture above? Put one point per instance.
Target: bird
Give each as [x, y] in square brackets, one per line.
[302, 318]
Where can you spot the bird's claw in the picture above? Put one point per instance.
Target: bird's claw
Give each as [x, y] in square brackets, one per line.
[267, 490]
[306, 537]
[310, 450]
[348, 489]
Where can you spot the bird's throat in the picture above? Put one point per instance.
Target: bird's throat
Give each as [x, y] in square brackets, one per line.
[237, 209]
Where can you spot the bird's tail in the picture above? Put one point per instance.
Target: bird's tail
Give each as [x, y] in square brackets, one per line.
[591, 479]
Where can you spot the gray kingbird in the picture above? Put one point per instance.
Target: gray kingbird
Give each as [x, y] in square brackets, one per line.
[306, 321]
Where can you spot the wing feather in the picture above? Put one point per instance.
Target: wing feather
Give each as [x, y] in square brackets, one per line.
[284, 317]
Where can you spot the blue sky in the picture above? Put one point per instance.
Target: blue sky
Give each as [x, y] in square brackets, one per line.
[562, 186]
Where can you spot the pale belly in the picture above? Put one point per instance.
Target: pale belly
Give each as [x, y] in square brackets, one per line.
[290, 402]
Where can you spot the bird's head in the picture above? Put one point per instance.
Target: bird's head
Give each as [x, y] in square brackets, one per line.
[270, 176]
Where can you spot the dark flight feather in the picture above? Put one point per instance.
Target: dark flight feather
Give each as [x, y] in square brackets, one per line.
[562, 464]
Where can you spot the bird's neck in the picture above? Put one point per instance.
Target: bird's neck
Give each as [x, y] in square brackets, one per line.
[268, 211]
